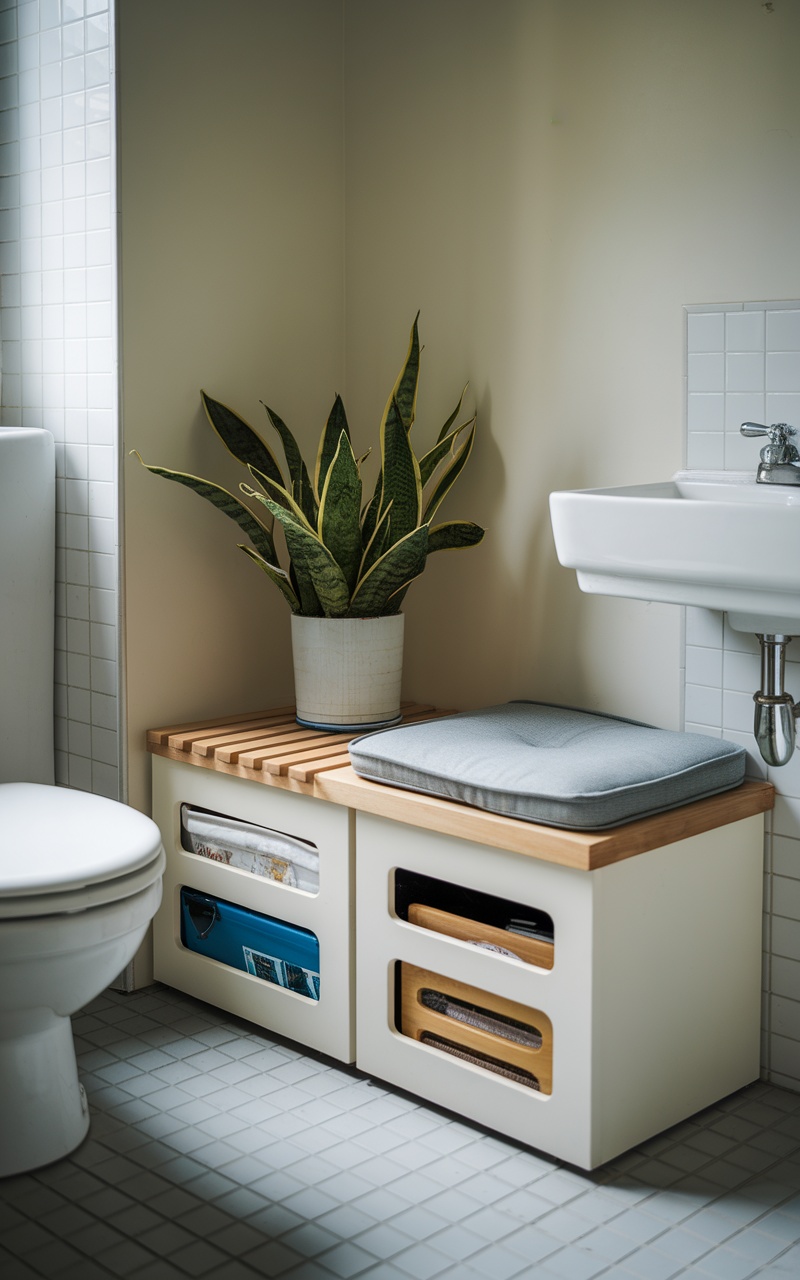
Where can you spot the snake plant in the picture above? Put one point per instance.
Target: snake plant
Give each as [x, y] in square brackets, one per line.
[348, 558]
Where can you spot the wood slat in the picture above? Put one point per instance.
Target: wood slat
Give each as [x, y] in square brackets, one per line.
[240, 747]
[273, 754]
[185, 741]
[282, 761]
[308, 772]
[160, 737]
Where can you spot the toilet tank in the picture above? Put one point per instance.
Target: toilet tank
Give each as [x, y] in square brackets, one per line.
[27, 598]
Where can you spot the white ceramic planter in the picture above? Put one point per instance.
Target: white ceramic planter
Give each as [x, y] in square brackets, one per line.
[347, 671]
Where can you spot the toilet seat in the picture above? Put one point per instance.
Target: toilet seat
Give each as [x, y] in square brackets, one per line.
[66, 851]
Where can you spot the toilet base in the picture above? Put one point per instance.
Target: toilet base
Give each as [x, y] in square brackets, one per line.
[44, 1113]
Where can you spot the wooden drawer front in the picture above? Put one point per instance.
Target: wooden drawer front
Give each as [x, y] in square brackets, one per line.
[531, 950]
[419, 1021]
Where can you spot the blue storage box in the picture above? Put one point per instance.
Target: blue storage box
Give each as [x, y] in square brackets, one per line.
[281, 953]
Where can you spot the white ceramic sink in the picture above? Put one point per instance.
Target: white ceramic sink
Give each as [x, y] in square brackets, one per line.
[710, 538]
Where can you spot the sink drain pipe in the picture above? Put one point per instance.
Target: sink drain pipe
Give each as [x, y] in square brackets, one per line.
[776, 711]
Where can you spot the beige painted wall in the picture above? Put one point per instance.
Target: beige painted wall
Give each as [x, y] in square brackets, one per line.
[550, 181]
[230, 156]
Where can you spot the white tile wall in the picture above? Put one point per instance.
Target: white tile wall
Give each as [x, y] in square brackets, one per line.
[743, 363]
[57, 311]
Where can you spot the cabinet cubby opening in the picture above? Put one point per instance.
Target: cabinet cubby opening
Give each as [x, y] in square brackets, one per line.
[273, 950]
[495, 924]
[477, 1027]
[276, 856]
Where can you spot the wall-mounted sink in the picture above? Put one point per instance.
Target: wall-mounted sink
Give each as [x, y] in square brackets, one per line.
[710, 538]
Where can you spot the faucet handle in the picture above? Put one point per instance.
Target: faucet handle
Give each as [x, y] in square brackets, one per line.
[780, 448]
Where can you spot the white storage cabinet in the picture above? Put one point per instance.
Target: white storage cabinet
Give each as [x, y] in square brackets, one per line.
[326, 1024]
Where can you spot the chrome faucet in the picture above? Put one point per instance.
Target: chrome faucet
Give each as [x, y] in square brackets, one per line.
[780, 460]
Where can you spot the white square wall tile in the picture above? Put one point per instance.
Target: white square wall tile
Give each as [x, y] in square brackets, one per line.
[104, 676]
[706, 411]
[783, 371]
[705, 331]
[737, 711]
[704, 666]
[783, 330]
[703, 705]
[744, 331]
[706, 372]
[784, 407]
[745, 371]
[704, 627]
[705, 450]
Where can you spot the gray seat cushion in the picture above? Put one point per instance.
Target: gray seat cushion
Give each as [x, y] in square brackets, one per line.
[555, 765]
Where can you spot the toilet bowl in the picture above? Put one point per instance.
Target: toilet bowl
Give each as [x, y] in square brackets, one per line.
[80, 875]
[80, 880]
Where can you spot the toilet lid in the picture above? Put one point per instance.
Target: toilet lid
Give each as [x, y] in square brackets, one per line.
[55, 841]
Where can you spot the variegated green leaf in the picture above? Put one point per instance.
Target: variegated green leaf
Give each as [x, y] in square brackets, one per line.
[240, 439]
[397, 597]
[225, 502]
[401, 479]
[339, 525]
[328, 443]
[404, 391]
[369, 516]
[454, 534]
[303, 588]
[445, 445]
[275, 490]
[378, 543]
[276, 493]
[313, 561]
[275, 575]
[449, 477]
[302, 490]
[397, 566]
[445, 429]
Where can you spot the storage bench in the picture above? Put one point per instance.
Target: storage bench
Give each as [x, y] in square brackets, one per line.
[650, 1010]
[639, 1008]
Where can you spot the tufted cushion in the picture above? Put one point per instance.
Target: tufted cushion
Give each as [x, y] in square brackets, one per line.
[555, 765]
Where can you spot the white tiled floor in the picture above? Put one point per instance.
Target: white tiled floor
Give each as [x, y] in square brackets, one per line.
[219, 1151]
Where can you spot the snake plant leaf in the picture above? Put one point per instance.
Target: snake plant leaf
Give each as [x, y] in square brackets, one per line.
[404, 391]
[369, 516]
[305, 592]
[299, 576]
[225, 502]
[276, 575]
[276, 491]
[445, 429]
[313, 564]
[240, 439]
[401, 479]
[329, 443]
[378, 543]
[339, 525]
[444, 445]
[403, 561]
[454, 534]
[302, 492]
[449, 477]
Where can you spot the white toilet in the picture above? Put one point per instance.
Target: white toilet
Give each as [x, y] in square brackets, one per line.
[80, 875]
